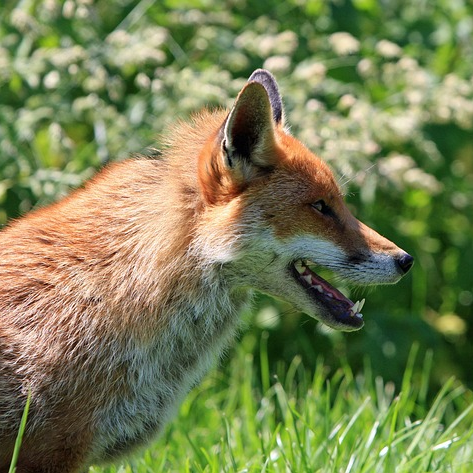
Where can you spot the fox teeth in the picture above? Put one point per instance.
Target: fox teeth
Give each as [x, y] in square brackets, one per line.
[357, 306]
[299, 267]
[361, 304]
[354, 309]
[307, 278]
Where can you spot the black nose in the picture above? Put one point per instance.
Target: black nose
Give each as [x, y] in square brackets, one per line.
[405, 262]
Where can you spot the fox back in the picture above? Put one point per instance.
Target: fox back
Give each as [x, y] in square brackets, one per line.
[116, 300]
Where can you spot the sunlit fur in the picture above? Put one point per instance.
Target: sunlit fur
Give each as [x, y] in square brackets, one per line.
[116, 300]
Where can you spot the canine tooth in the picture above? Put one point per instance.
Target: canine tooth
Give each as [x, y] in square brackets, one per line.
[354, 309]
[361, 304]
[299, 266]
[318, 287]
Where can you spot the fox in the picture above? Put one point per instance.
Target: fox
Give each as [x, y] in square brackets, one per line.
[116, 300]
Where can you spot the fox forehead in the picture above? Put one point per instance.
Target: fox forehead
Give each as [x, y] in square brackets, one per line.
[313, 177]
[299, 177]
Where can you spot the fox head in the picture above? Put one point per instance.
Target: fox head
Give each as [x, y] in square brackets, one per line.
[274, 213]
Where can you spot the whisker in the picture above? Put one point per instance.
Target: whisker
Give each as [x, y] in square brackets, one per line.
[349, 179]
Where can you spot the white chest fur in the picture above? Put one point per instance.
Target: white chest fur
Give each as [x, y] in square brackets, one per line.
[156, 377]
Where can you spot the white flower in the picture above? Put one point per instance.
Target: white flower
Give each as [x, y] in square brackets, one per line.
[365, 67]
[346, 102]
[402, 171]
[51, 79]
[344, 43]
[388, 49]
[277, 63]
[310, 71]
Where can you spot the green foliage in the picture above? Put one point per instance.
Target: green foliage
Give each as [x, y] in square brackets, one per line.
[383, 91]
[311, 421]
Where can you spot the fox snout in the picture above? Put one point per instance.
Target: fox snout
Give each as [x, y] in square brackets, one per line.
[373, 259]
[324, 301]
[374, 267]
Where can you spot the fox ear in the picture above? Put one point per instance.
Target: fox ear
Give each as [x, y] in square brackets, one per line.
[245, 146]
[248, 134]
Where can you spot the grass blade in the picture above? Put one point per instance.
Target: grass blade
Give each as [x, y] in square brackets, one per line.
[19, 438]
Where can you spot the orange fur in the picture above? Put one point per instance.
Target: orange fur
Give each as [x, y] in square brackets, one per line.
[116, 300]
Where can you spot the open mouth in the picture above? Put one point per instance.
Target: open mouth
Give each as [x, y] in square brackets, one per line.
[338, 311]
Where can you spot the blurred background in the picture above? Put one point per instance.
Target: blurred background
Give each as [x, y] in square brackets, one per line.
[382, 90]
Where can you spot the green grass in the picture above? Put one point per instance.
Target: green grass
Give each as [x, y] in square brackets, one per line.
[19, 437]
[242, 419]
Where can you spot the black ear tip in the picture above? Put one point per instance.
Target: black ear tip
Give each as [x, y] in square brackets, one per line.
[260, 75]
[267, 80]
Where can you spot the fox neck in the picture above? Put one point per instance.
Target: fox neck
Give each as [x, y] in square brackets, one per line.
[161, 372]
[187, 295]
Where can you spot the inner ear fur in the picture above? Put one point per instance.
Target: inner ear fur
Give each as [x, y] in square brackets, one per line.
[249, 136]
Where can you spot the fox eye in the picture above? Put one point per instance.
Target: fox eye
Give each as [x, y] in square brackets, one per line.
[321, 207]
